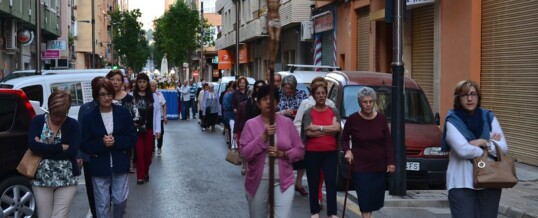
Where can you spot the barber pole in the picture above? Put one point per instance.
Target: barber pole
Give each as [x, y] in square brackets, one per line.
[317, 52]
[334, 44]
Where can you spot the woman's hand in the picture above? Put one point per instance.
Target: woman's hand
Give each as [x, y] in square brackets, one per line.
[108, 140]
[65, 147]
[479, 142]
[496, 136]
[272, 151]
[158, 136]
[391, 169]
[269, 131]
[349, 156]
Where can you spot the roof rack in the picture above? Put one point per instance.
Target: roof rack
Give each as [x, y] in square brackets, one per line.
[293, 67]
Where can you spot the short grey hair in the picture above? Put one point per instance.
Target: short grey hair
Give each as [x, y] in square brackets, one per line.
[366, 91]
[289, 79]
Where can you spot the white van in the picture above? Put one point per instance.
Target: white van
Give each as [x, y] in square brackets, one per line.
[304, 74]
[25, 73]
[223, 81]
[39, 87]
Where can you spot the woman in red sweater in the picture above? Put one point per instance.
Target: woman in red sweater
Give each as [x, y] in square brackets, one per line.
[321, 129]
[371, 156]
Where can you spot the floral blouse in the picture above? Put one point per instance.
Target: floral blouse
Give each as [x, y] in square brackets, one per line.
[53, 173]
[291, 102]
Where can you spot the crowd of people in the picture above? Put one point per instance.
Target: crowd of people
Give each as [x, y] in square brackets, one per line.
[120, 129]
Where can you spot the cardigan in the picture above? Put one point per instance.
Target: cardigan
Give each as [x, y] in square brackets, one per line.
[254, 151]
[307, 119]
[70, 136]
[306, 104]
[93, 130]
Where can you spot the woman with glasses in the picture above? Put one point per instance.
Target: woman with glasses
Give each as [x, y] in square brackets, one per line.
[56, 137]
[149, 126]
[108, 135]
[468, 129]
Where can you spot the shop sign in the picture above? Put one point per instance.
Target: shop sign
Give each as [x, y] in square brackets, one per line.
[215, 73]
[50, 54]
[225, 60]
[324, 23]
[419, 2]
[58, 45]
[243, 54]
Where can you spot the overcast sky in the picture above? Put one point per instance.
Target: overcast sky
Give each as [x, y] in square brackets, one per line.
[150, 9]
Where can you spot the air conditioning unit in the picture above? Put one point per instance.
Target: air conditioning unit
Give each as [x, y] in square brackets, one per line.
[306, 31]
[11, 35]
[59, 63]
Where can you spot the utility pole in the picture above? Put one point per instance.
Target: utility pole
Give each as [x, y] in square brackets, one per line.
[201, 73]
[397, 183]
[93, 34]
[38, 36]
[237, 26]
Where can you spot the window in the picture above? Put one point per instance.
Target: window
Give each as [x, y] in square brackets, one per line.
[73, 88]
[34, 93]
[7, 113]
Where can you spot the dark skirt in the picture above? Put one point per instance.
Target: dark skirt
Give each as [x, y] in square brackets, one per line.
[299, 165]
[370, 189]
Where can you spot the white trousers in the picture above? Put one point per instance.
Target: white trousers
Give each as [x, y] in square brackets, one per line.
[258, 206]
[54, 201]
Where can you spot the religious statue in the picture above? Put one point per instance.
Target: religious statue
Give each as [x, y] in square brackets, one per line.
[273, 29]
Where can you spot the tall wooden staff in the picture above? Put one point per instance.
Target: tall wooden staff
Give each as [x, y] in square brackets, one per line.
[273, 29]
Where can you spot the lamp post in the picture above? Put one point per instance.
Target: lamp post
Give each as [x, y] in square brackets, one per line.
[92, 21]
[201, 73]
[38, 36]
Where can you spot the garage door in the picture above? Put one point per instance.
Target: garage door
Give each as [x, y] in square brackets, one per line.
[363, 37]
[509, 72]
[422, 49]
[327, 48]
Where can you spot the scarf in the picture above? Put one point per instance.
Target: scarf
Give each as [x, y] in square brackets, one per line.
[471, 126]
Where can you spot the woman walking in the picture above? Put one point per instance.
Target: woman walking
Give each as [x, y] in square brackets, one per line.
[108, 135]
[371, 157]
[164, 119]
[468, 129]
[148, 106]
[56, 137]
[256, 150]
[212, 108]
[320, 133]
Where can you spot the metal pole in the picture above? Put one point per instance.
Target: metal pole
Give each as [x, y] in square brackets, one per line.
[237, 26]
[397, 184]
[93, 35]
[38, 36]
[201, 73]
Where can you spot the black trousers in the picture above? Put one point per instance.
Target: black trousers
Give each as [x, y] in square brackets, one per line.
[315, 161]
[89, 188]
[160, 140]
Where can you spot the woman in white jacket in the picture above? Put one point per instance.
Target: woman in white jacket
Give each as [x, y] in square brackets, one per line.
[148, 127]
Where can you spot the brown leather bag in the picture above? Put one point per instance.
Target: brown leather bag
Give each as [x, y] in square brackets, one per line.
[29, 163]
[233, 156]
[499, 173]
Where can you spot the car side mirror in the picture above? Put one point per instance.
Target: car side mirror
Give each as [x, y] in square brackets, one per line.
[436, 119]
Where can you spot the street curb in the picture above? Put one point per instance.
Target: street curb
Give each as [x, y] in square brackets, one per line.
[510, 211]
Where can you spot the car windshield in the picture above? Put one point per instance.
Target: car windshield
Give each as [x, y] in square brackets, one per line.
[416, 107]
[305, 87]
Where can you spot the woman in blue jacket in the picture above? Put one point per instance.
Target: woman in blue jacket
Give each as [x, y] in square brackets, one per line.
[108, 136]
[56, 137]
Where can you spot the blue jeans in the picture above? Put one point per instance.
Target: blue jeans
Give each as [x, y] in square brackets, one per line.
[185, 106]
[194, 107]
[470, 203]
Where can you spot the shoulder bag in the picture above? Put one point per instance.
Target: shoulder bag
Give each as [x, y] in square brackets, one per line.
[29, 163]
[233, 156]
[499, 173]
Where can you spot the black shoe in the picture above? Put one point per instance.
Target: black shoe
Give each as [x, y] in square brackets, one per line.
[140, 182]
[146, 178]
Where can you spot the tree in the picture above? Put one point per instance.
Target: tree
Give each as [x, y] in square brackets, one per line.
[129, 38]
[176, 33]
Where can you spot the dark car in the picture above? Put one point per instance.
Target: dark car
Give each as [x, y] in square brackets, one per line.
[16, 113]
[426, 164]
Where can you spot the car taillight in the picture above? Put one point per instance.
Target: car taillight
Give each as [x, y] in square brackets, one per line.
[27, 103]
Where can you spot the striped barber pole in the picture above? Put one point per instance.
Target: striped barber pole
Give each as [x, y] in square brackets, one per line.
[317, 52]
[334, 43]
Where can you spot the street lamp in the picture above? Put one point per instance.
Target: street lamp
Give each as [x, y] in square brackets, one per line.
[201, 73]
[92, 21]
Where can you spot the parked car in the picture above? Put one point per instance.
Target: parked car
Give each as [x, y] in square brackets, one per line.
[16, 114]
[24, 73]
[305, 74]
[39, 87]
[426, 164]
[226, 79]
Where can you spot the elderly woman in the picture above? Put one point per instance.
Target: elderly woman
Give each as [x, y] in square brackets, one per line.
[290, 100]
[371, 157]
[211, 106]
[108, 135]
[469, 127]
[56, 137]
[320, 133]
[254, 147]
[149, 126]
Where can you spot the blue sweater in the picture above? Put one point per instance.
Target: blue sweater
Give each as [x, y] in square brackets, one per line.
[70, 136]
[93, 130]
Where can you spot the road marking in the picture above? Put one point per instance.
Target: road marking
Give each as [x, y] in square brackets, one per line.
[350, 205]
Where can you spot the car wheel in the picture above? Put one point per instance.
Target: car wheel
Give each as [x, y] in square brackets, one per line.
[17, 199]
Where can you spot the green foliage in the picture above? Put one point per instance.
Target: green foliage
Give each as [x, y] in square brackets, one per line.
[129, 38]
[176, 33]
[208, 34]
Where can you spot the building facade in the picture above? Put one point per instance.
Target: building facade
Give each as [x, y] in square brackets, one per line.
[487, 41]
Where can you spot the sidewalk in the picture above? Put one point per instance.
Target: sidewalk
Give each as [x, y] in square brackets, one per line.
[520, 201]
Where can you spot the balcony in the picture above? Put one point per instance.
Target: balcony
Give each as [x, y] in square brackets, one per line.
[221, 4]
[294, 12]
[251, 31]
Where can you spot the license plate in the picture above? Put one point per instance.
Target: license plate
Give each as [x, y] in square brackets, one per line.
[413, 166]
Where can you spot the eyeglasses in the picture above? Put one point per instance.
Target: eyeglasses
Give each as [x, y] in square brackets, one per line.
[472, 95]
[104, 95]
